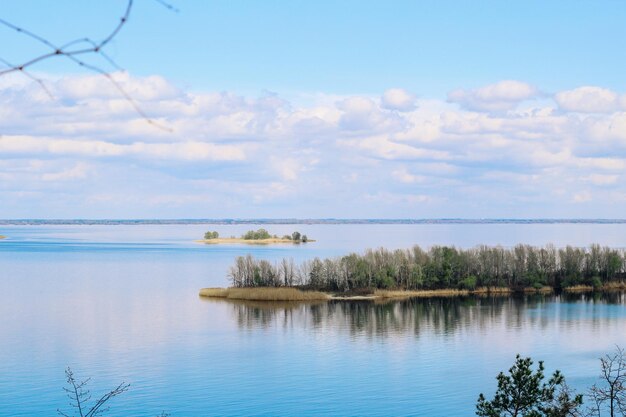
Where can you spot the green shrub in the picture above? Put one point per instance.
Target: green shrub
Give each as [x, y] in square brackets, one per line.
[256, 235]
[469, 283]
[596, 282]
[211, 235]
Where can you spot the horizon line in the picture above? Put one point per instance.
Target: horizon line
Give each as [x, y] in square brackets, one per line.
[322, 220]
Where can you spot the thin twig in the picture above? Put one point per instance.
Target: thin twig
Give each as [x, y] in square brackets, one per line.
[74, 49]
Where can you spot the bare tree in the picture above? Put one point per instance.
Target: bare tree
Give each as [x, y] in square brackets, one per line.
[288, 271]
[80, 397]
[610, 395]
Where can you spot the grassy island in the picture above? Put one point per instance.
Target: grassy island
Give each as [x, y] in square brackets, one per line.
[438, 271]
[258, 237]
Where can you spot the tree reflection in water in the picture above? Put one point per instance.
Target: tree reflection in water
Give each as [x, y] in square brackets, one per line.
[439, 316]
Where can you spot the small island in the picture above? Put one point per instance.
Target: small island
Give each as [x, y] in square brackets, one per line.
[255, 237]
[440, 271]
[2, 237]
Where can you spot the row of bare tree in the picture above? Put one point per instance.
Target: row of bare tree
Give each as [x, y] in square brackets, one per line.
[441, 267]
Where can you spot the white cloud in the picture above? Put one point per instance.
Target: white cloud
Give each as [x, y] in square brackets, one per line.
[503, 95]
[89, 87]
[263, 156]
[403, 175]
[288, 168]
[600, 179]
[588, 100]
[78, 171]
[186, 151]
[383, 147]
[582, 197]
[362, 114]
[398, 99]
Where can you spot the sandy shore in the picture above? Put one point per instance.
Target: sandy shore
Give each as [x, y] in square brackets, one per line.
[251, 241]
[2, 237]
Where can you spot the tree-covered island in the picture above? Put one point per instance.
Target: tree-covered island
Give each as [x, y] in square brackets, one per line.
[260, 236]
[440, 270]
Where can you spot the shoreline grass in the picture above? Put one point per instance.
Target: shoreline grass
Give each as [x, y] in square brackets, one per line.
[420, 293]
[492, 290]
[578, 288]
[264, 294]
[289, 294]
[608, 287]
[540, 290]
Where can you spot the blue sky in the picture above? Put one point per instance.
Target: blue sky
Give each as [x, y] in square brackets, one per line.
[321, 109]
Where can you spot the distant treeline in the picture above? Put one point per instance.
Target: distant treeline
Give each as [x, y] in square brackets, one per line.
[22, 222]
[440, 267]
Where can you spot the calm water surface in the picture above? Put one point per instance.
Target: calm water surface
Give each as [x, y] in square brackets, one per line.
[119, 303]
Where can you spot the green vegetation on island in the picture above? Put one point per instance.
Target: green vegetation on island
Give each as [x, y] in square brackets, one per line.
[483, 268]
[211, 235]
[256, 236]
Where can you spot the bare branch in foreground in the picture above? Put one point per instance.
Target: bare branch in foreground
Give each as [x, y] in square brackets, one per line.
[74, 51]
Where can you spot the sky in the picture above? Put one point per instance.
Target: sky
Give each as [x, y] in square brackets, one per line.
[350, 109]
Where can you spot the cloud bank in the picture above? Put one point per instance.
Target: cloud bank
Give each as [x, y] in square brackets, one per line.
[501, 150]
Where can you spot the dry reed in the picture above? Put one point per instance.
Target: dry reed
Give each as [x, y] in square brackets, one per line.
[492, 290]
[420, 293]
[264, 294]
[578, 288]
[614, 286]
[542, 290]
[609, 286]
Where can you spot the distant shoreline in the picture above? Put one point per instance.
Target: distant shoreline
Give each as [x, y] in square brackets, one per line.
[251, 241]
[2, 237]
[37, 222]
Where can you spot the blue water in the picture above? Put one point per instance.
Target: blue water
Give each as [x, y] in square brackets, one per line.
[119, 303]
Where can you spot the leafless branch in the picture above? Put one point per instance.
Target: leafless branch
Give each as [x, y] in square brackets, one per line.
[610, 395]
[74, 51]
[80, 396]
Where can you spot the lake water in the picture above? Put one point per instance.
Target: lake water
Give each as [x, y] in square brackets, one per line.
[119, 303]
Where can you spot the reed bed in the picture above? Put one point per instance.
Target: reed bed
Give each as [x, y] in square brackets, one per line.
[541, 290]
[420, 293]
[578, 288]
[264, 294]
[614, 286]
[214, 292]
[492, 290]
[609, 286]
